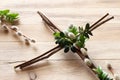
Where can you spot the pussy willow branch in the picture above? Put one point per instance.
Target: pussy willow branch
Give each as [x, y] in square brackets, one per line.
[83, 57]
[50, 24]
[8, 26]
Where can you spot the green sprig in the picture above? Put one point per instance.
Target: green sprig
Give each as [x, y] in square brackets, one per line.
[73, 38]
[101, 74]
[6, 15]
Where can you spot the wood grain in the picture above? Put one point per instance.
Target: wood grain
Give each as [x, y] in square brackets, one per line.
[103, 47]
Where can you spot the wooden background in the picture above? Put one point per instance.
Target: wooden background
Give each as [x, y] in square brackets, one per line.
[103, 47]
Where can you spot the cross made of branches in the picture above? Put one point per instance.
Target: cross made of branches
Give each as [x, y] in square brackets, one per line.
[73, 39]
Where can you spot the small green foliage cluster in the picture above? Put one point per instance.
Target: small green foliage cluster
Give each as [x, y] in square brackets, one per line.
[101, 74]
[6, 15]
[73, 38]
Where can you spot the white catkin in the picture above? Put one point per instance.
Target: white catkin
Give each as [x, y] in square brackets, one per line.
[4, 26]
[71, 35]
[26, 40]
[75, 45]
[19, 33]
[14, 28]
[84, 52]
[33, 41]
[88, 61]
[65, 32]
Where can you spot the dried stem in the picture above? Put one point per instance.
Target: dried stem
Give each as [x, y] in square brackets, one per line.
[48, 22]
[99, 24]
[99, 20]
[45, 57]
[41, 57]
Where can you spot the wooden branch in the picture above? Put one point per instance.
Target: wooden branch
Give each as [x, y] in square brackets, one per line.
[50, 52]
[39, 59]
[99, 20]
[48, 22]
[99, 24]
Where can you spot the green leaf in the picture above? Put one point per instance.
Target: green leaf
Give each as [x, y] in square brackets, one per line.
[82, 38]
[99, 70]
[62, 42]
[80, 44]
[57, 38]
[81, 30]
[73, 49]
[11, 17]
[7, 16]
[57, 41]
[87, 27]
[104, 76]
[90, 33]
[73, 29]
[66, 49]
[4, 12]
[62, 34]
[14, 15]
[56, 34]
[66, 42]
[101, 74]
[86, 35]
